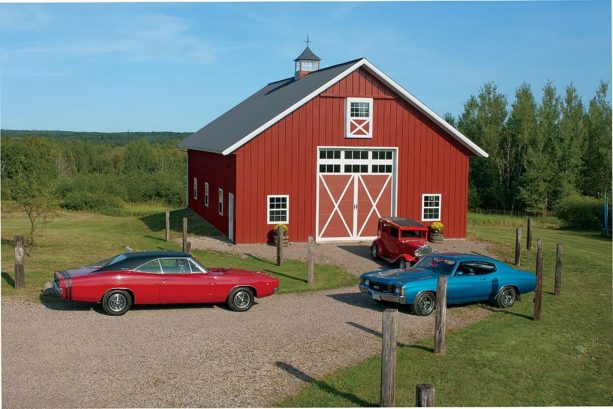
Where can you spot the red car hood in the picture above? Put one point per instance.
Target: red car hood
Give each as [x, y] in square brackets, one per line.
[237, 273]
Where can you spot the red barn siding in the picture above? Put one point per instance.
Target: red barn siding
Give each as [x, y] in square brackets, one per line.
[220, 173]
[283, 159]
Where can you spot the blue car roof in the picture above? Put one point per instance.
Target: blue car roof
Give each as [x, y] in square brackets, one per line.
[464, 256]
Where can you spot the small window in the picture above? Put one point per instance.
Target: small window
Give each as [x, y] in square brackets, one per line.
[175, 265]
[206, 194]
[278, 209]
[431, 207]
[195, 189]
[358, 122]
[150, 267]
[394, 231]
[220, 202]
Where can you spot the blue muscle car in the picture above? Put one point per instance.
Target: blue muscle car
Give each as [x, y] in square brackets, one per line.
[471, 278]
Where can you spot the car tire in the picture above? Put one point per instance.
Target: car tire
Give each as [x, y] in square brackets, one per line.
[240, 299]
[374, 252]
[402, 263]
[506, 297]
[424, 303]
[116, 302]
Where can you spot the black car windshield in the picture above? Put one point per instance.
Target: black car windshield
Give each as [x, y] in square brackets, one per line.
[412, 234]
[438, 263]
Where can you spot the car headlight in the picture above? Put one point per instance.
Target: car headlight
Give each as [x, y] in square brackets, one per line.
[397, 290]
[423, 250]
[366, 282]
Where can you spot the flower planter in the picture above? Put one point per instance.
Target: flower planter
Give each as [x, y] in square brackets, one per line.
[436, 237]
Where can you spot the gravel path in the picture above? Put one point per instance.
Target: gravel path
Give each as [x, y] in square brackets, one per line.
[197, 356]
[353, 257]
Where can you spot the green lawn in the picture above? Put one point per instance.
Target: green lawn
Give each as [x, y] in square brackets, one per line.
[74, 239]
[508, 359]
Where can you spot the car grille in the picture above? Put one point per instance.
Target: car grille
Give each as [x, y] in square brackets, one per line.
[384, 288]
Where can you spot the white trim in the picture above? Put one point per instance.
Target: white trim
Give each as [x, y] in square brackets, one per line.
[440, 207]
[206, 194]
[220, 201]
[291, 109]
[348, 117]
[268, 209]
[195, 189]
[379, 74]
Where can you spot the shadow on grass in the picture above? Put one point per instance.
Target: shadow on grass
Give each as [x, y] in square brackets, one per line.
[8, 279]
[298, 374]
[421, 348]
[262, 260]
[503, 311]
[372, 331]
[276, 273]
[196, 225]
[8, 242]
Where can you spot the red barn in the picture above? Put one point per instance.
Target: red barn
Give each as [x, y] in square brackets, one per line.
[327, 152]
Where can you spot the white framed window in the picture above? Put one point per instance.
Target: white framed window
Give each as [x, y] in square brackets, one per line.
[195, 189]
[206, 194]
[431, 207]
[277, 209]
[358, 121]
[220, 202]
[355, 160]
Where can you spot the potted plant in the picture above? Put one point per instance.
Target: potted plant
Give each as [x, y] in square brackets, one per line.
[285, 241]
[437, 230]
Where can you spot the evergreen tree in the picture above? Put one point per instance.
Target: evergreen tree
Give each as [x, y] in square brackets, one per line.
[596, 168]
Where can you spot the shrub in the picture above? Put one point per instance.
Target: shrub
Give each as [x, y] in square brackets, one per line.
[81, 200]
[581, 212]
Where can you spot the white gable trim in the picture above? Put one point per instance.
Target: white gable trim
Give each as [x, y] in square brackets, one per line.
[391, 83]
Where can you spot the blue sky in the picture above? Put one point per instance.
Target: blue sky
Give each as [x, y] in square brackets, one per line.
[175, 67]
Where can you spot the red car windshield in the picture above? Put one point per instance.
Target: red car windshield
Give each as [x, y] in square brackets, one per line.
[413, 234]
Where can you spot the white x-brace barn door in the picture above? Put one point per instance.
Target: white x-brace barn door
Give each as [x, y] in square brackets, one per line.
[355, 187]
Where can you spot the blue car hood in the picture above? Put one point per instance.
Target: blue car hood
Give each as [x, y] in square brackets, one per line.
[401, 276]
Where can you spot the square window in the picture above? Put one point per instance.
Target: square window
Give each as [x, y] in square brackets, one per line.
[278, 209]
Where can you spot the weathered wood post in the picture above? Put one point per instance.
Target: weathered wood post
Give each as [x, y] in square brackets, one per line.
[529, 235]
[517, 246]
[167, 225]
[425, 396]
[538, 292]
[279, 244]
[558, 279]
[185, 234]
[388, 358]
[188, 247]
[440, 347]
[20, 275]
[310, 261]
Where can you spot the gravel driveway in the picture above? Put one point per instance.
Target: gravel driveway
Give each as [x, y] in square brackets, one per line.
[197, 356]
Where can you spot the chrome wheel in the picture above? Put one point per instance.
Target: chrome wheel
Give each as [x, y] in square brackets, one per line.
[507, 297]
[242, 299]
[424, 304]
[117, 302]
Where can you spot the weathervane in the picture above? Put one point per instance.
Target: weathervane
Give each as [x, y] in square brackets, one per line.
[307, 40]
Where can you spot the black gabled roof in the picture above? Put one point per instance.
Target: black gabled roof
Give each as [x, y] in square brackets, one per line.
[307, 54]
[258, 109]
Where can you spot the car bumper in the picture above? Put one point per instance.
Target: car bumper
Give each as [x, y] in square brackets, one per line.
[380, 296]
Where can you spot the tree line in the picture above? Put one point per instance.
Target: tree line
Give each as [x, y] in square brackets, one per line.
[542, 154]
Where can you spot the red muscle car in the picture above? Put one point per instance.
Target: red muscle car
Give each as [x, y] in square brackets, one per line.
[161, 277]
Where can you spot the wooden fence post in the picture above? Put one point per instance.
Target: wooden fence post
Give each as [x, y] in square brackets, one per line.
[558, 279]
[440, 347]
[188, 247]
[388, 358]
[20, 275]
[529, 235]
[310, 261]
[425, 396]
[167, 225]
[517, 246]
[185, 234]
[279, 244]
[538, 292]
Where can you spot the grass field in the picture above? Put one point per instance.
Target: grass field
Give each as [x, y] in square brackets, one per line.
[566, 359]
[73, 239]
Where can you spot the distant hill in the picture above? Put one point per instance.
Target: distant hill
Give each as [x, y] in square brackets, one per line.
[111, 138]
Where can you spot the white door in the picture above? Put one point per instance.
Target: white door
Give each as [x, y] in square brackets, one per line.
[231, 216]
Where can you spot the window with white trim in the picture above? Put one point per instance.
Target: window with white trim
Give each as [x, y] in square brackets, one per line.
[278, 209]
[220, 202]
[206, 194]
[358, 122]
[355, 161]
[431, 207]
[195, 189]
